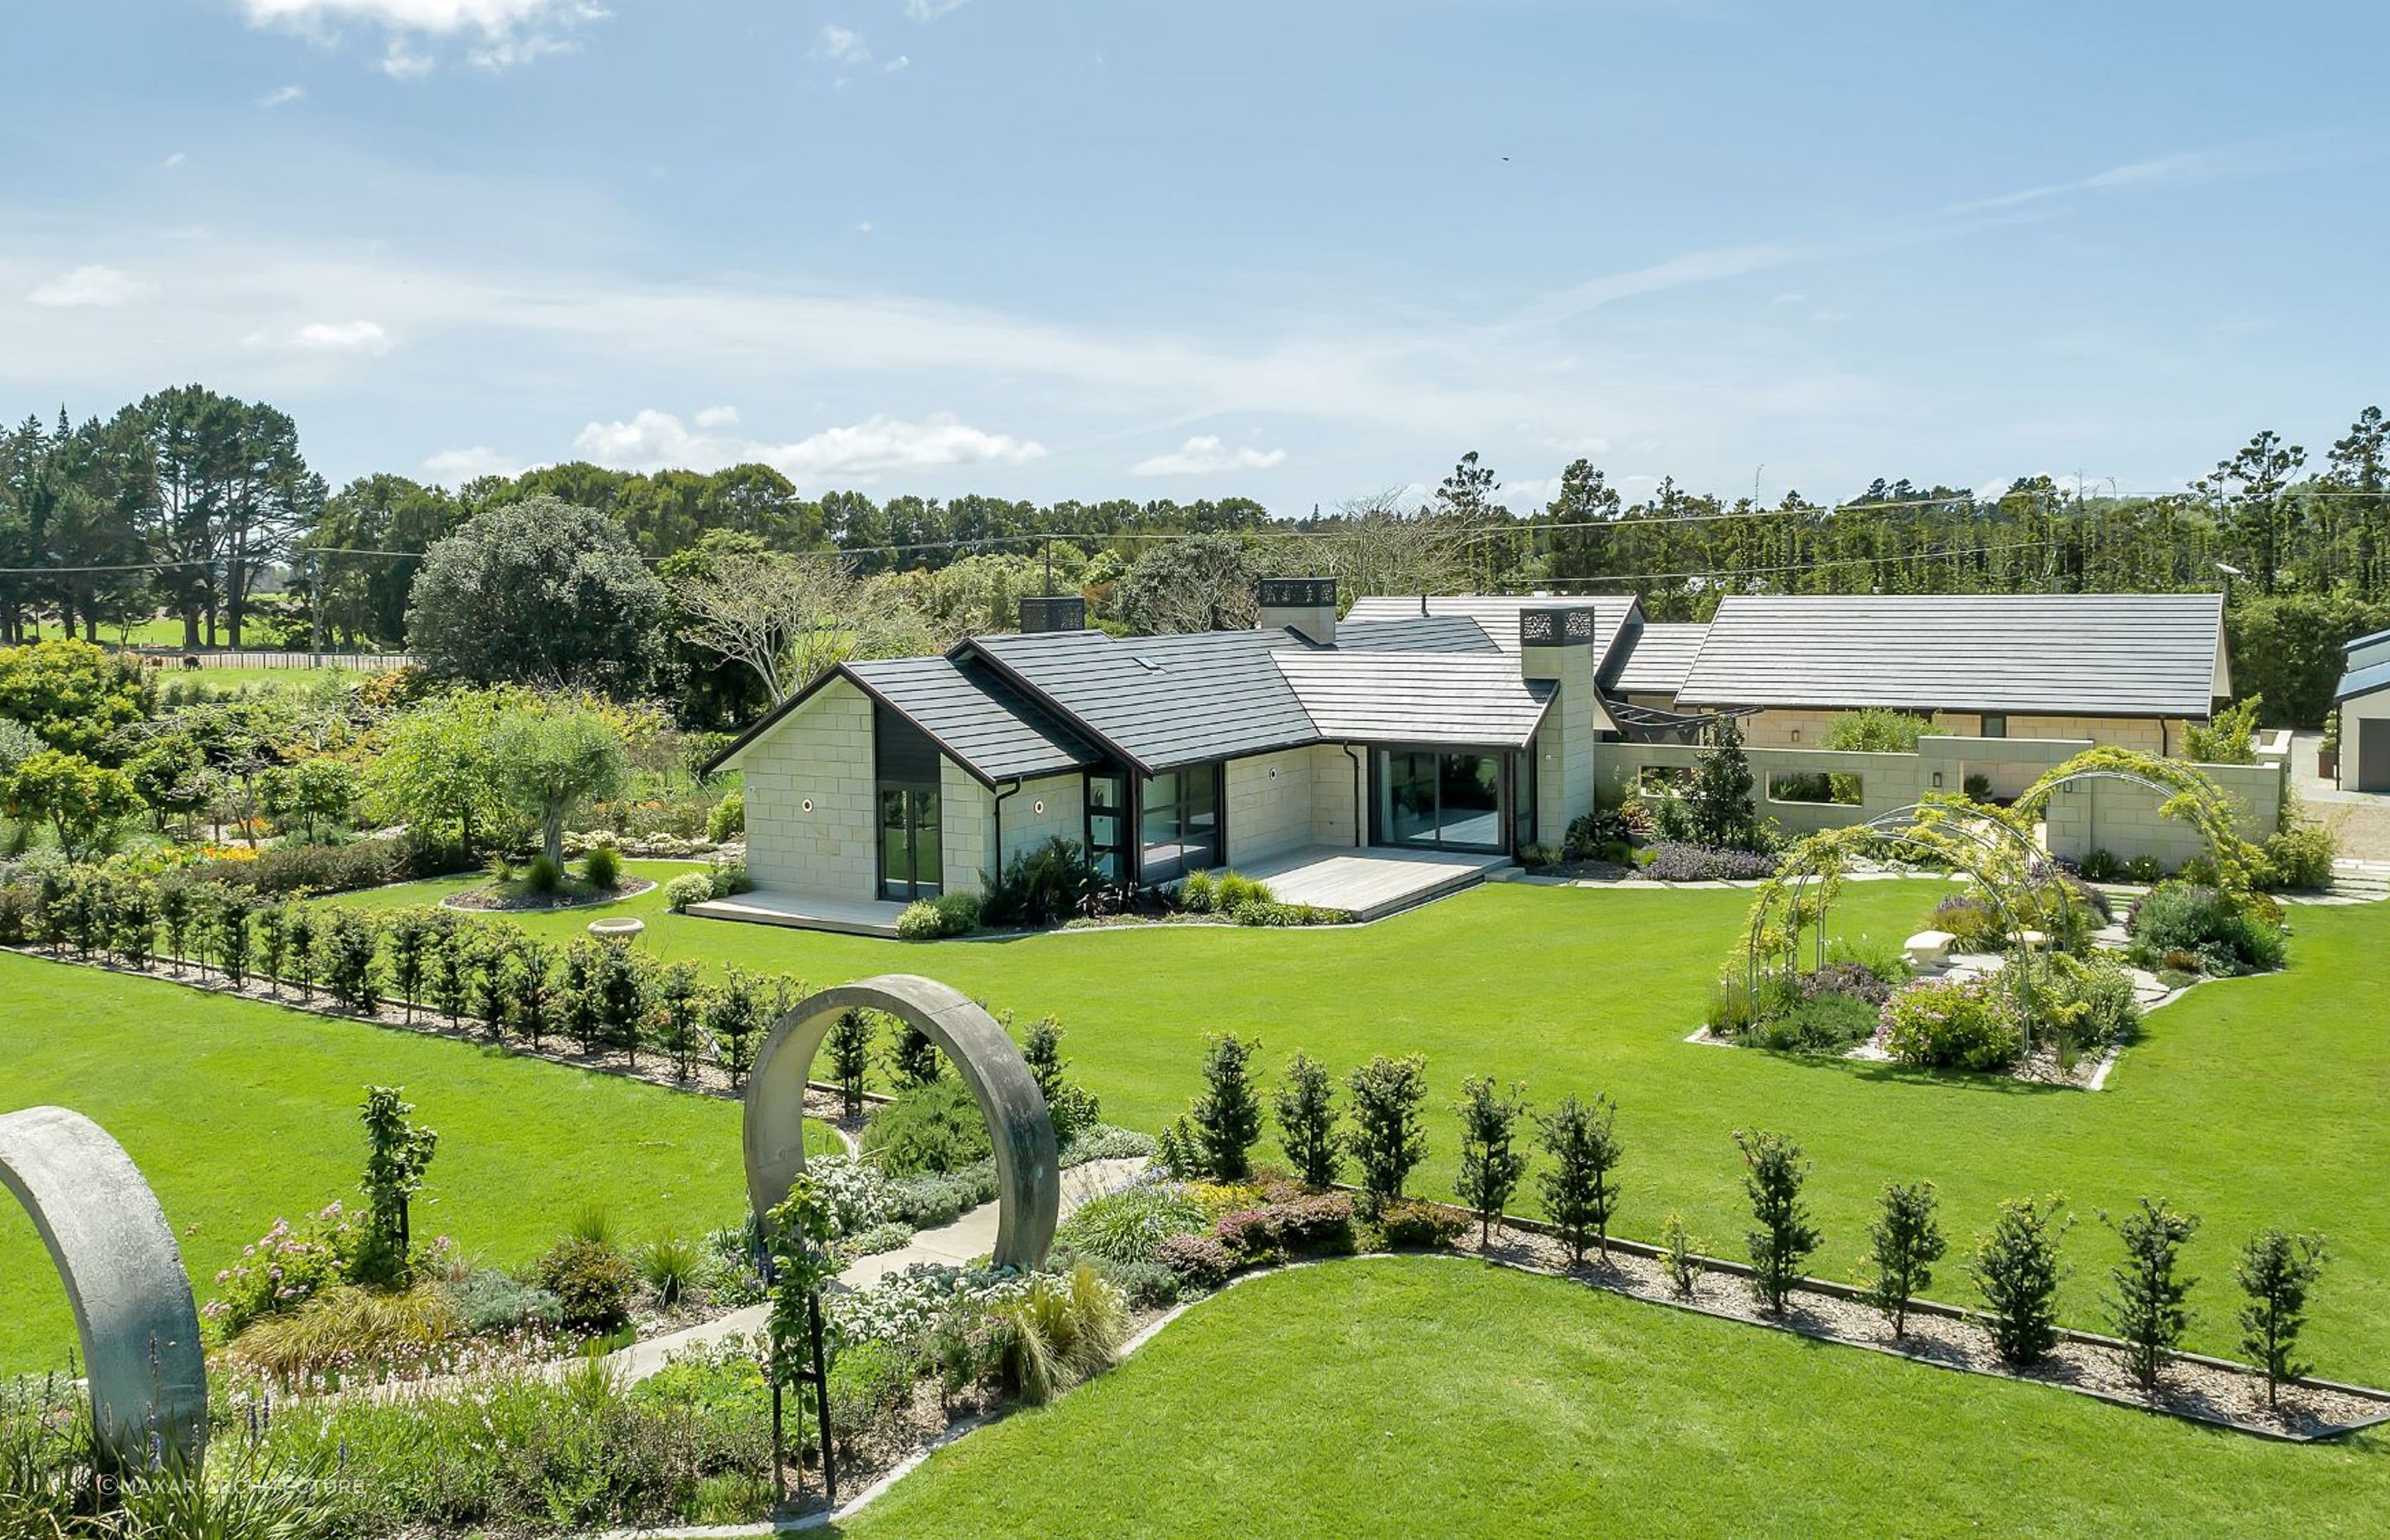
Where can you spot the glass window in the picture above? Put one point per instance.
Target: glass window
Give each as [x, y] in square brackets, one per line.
[1995, 726]
[1178, 823]
[1426, 798]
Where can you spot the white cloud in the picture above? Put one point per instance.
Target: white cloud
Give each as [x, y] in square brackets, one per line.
[902, 61]
[90, 286]
[174, 162]
[930, 10]
[655, 441]
[1203, 455]
[882, 443]
[504, 33]
[281, 97]
[452, 467]
[366, 338]
[651, 441]
[838, 44]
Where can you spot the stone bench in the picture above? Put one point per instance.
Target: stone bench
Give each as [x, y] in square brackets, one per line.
[1929, 949]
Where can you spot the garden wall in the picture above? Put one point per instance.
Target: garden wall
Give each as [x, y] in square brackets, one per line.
[2113, 816]
[821, 755]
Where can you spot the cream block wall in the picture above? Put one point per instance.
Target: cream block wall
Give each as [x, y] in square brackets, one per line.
[1801, 729]
[966, 828]
[1566, 768]
[1269, 808]
[1333, 819]
[821, 755]
[1064, 799]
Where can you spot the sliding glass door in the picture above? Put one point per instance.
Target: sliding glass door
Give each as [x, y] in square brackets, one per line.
[1178, 823]
[1443, 799]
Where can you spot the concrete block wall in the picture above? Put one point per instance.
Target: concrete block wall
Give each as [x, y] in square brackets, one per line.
[1269, 804]
[1063, 799]
[2114, 816]
[1807, 729]
[821, 755]
[1333, 792]
[1566, 765]
[965, 829]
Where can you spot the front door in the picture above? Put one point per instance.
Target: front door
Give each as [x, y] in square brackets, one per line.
[909, 863]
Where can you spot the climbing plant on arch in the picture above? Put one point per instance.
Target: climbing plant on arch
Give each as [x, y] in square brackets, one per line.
[1945, 829]
[2187, 793]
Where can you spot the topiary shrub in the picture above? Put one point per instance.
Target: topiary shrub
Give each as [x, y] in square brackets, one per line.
[1945, 1025]
[688, 889]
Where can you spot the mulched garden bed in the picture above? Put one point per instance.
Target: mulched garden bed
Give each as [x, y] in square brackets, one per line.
[491, 899]
[2192, 1386]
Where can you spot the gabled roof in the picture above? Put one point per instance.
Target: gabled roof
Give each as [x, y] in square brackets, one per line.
[1658, 658]
[967, 708]
[1497, 614]
[1420, 634]
[1385, 697]
[2369, 680]
[1161, 701]
[2047, 654]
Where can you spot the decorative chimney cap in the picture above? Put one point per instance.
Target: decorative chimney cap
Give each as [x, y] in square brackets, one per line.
[1570, 626]
[1044, 612]
[1311, 593]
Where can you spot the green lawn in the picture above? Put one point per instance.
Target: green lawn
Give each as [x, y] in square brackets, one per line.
[1439, 1397]
[2251, 1102]
[239, 1112]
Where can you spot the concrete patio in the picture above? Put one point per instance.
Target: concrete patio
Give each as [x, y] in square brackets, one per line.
[846, 917]
[1374, 880]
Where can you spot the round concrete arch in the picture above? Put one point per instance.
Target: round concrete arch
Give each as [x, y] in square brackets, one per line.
[124, 1279]
[1028, 1164]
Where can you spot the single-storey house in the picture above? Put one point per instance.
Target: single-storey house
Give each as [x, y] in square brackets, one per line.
[1468, 725]
[2362, 700]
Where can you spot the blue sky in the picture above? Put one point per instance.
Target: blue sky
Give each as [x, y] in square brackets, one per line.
[1299, 251]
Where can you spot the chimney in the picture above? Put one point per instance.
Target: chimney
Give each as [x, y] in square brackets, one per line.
[1304, 606]
[1043, 612]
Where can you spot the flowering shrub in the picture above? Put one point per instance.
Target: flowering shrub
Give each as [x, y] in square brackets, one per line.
[284, 1268]
[687, 889]
[1947, 1025]
[901, 1308]
[1679, 862]
[1408, 1224]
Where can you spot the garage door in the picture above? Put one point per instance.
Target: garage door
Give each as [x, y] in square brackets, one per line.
[2373, 754]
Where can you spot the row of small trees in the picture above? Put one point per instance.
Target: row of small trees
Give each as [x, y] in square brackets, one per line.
[2016, 1265]
[2017, 1268]
[1381, 1130]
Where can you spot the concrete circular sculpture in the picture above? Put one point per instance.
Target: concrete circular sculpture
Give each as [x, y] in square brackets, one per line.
[124, 1279]
[1028, 1165]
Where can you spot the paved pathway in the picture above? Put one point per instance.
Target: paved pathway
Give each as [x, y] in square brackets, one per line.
[971, 1235]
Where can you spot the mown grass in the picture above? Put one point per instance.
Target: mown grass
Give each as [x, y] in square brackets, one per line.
[1427, 1396]
[239, 1112]
[2249, 1103]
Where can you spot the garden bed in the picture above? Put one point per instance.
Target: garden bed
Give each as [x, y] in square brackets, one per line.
[515, 897]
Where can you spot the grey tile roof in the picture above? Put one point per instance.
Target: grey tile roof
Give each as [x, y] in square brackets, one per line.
[2047, 654]
[989, 727]
[1382, 696]
[1497, 614]
[1164, 700]
[1658, 658]
[2363, 681]
[1420, 634]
